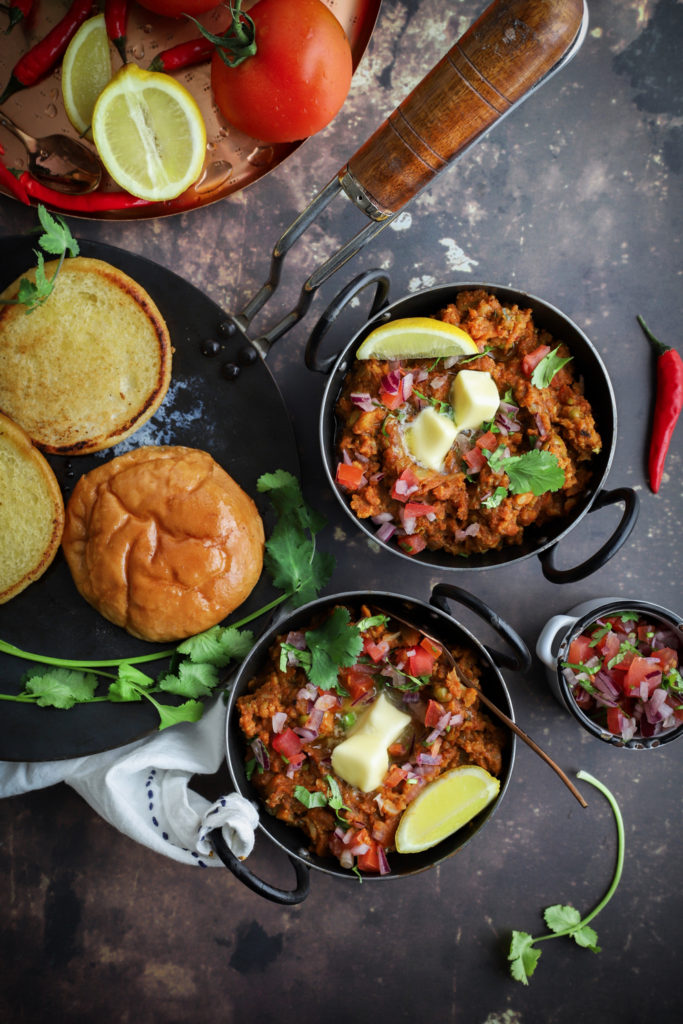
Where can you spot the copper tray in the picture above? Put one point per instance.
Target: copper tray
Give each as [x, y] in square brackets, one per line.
[233, 160]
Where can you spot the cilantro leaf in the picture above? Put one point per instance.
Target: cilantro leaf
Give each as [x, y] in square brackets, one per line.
[336, 643]
[192, 680]
[536, 471]
[523, 957]
[559, 917]
[547, 368]
[494, 500]
[285, 494]
[587, 938]
[218, 645]
[60, 687]
[336, 801]
[310, 799]
[57, 240]
[190, 711]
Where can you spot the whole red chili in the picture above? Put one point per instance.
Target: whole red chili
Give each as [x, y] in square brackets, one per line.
[668, 404]
[184, 55]
[92, 202]
[41, 58]
[11, 183]
[116, 18]
[18, 10]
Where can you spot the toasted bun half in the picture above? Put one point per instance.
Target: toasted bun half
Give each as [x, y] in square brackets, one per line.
[31, 511]
[163, 542]
[90, 365]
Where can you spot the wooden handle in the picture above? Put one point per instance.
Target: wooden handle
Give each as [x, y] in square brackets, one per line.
[498, 61]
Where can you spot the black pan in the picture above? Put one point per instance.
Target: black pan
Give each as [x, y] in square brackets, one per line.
[433, 618]
[203, 409]
[540, 541]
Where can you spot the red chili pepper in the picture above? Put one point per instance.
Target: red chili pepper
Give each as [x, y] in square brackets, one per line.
[93, 202]
[18, 10]
[116, 18]
[41, 58]
[668, 404]
[12, 183]
[184, 55]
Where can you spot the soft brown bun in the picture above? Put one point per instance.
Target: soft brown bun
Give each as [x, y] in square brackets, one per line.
[31, 511]
[163, 542]
[90, 365]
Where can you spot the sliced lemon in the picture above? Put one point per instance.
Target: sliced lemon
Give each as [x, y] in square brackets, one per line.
[416, 337]
[86, 70]
[445, 805]
[149, 133]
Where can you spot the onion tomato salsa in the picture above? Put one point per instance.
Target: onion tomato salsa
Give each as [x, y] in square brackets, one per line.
[623, 672]
[527, 464]
[312, 695]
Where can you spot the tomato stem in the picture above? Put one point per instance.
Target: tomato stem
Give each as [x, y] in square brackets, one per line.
[239, 42]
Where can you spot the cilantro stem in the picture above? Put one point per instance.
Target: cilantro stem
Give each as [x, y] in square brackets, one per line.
[262, 611]
[44, 659]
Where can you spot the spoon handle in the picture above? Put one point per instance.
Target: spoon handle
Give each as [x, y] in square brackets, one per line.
[27, 140]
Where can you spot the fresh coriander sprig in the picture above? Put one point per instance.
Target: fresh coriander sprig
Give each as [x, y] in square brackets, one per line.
[56, 240]
[547, 368]
[566, 920]
[296, 567]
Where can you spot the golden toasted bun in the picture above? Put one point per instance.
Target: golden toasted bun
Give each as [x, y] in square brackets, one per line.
[31, 511]
[163, 542]
[90, 365]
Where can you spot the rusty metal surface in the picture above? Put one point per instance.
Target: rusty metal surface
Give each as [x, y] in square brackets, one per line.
[576, 198]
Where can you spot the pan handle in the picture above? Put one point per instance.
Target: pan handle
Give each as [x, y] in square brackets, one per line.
[239, 869]
[608, 549]
[320, 364]
[520, 661]
[507, 53]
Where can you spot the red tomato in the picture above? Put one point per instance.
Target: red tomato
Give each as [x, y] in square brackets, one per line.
[348, 476]
[408, 479]
[667, 658]
[298, 79]
[357, 682]
[177, 8]
[475, 459]
[489, 441]
[531, 361]
[580, 650]
[368, 861]
[642, 670]
[412, 544]
[287, 743]
[391, 400]
[418, 508]
[376, 651]
[616, 720]
[420, 662]
[608, 646]
[433, 714]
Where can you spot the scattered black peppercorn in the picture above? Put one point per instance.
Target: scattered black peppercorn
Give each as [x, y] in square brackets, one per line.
[247, 355]
[226, 328]
[230, 370]
[210, 347]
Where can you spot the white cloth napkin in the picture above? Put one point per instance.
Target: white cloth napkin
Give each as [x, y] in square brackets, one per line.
[143, 790]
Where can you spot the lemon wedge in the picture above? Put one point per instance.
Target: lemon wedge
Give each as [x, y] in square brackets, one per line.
[416, 337]
[445, 805]
[149, 133]
[86, 70]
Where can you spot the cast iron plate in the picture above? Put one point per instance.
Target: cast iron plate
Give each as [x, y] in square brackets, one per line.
[242, 423]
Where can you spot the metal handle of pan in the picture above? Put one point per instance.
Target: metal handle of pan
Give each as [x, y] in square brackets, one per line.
[239, 869]
[511, 50]
[608, 549]
[503, 57]
[520, 661]
[320, 364]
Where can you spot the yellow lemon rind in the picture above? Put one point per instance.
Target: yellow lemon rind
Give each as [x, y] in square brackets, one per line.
[416, 338]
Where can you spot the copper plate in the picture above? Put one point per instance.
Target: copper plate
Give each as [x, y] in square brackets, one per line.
[233, 160]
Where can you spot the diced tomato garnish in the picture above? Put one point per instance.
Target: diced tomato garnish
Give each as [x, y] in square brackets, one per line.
[430, 646]
[357, 682]
[349, 476]
[616, 720]
[417, 508]
[475, 459]
[296, 759]
[375, 651]
[489, 441]
[608, 645]
[642, 670]
[580, 650]
[408, 481]
[667, 658]
[618, 624]
[368, 861]
[389, 400]
[287, 743]
[433, 714]
[531, 361]
[412, 544]
[394, 776]
[420, 661]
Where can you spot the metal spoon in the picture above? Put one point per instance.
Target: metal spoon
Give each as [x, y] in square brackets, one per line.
[64, 164]
[493, 708]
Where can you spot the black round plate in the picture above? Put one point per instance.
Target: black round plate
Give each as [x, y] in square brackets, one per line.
[242, 423]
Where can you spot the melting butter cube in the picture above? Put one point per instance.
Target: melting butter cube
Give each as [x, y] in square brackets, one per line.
[362, 760]
[475, 399]
[429, 438]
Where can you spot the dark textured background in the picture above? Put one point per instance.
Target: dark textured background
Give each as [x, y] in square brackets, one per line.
[576, 197]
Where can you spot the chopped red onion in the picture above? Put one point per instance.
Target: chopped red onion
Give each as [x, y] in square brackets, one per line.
[261, 753]
[278, 721]
[421, 375]
[382, 517]
[384, 868]
[391, 382]
[326, 701]
[386, 532]
[542, 432]
[363, 400]
[430, 759]
[439, 381]
[450, 361]
[308, 692]
[358, 848]
[408, 386]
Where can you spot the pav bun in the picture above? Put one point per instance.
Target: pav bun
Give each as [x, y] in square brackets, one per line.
[163, 542]
[88, 366]
[31, 511]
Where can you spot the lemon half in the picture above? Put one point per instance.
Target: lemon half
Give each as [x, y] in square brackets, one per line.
[445, 805]
[149, 133]
[86, 70]
[416, 337]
